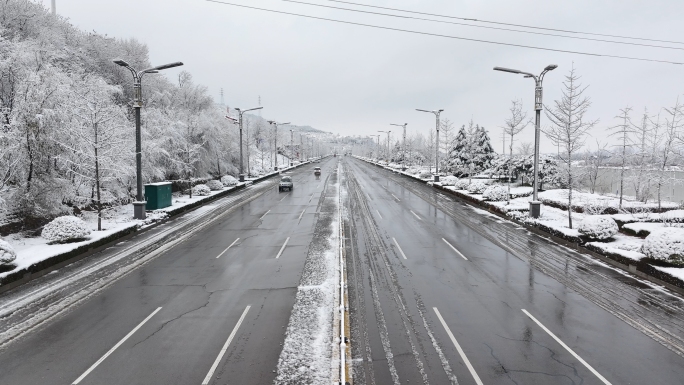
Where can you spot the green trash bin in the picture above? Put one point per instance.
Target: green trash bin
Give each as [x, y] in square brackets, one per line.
[158, 195]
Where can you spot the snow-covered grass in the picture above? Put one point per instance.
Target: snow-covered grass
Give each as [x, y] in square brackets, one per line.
[599, 204]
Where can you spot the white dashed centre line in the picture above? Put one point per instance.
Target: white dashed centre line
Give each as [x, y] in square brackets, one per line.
[262, 217]
[567, 348]
[225, 347]
[456, 250]
[224, 251]
[300, 215]
[395, 197]
[115, 347]
[458, 347]
[399, 247]
[282, 248]
[416, 215]
[281, 199]
[378, 213]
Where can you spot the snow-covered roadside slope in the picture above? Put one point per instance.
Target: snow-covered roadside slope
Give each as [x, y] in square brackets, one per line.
[306, 357]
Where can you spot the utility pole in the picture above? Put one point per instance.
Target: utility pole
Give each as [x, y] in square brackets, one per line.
[291, 146]
[275, 141]
[54, 7]
[241, 112]
[403, 158]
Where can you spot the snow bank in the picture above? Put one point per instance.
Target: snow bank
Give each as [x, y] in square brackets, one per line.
[201, 190]
[477, 187]
[641, 229]
[65, 229]
[214, 185]
[598, 227]
[496, 193]
[666, 244]
[229, 180]
[7, 253]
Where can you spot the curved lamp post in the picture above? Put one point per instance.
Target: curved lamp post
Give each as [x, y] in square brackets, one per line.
[436, 112]
[535, 205]
[241, 112]
[275, 141]
[139, 204]
[403, 157]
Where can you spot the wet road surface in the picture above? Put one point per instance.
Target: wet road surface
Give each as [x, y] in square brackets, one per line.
[441, 293]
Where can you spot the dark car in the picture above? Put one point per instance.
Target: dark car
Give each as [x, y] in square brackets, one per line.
[285, 183]
[317, 171]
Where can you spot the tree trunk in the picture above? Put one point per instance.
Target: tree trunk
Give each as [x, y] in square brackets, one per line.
[97, 184]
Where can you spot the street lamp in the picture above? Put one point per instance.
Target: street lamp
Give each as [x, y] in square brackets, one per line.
[275, 141]
[241, 112]
[436, 112]
[535, 205]
[139, 204]
[291, 146]
[403, 156]
[388, 147]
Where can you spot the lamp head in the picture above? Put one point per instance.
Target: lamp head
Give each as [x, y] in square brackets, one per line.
[170, 65]
[502, 69]
[121, 63]
[550, 67]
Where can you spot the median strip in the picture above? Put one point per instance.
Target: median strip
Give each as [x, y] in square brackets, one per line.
[456, 250]
[597, 374]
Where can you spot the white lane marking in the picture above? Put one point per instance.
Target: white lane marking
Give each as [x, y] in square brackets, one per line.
[300, 215]
[224, 251]
[399, 247]
[262, 217]
[378, 213]
[456, 250]
[115, 347]
[282, 248]
[567, 348]
[416, 215]
[458, 347]
[395, 197]
[281, 199]
[225, 347]
[311, 197]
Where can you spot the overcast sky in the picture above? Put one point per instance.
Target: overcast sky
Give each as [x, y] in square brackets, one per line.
[356, 80]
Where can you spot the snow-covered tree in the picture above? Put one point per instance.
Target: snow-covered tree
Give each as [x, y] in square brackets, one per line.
[569, 128]
[514, 124]
[623, 131]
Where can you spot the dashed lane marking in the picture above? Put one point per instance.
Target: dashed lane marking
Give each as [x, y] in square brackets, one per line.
[300, 215]
[225, 347]
[115, 347]
[458, 347]
[399, 247]
[395, 197]
[378, 213]
[224, 251]
[281, 199]
[597, 374]
[455, 249]
[262, 217]
[282, 248]
[416, 215]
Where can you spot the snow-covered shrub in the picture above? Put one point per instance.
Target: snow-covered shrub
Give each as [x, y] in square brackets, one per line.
[7, 253]
[214, 185]
[201, 190]
[598, 227]
[666, 244]
[449, 180]
[496, 193]
[673, 216]
[477, 187]
[462, 184]
[65, 229]
[425, 175]
[229, 180]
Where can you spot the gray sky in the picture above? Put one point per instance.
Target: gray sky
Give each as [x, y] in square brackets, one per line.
[356, 80]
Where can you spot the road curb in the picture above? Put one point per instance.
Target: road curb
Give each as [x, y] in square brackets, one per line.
[39, 269]
[640, 269]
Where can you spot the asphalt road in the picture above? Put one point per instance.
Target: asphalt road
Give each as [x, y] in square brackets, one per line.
[179, 309]
[441, 293]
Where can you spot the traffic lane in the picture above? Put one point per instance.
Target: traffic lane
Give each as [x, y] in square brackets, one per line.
[191, 271]
[596, 333]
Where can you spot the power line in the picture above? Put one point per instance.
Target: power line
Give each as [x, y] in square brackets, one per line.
[484, 26]
[508, 24]
[446, 36]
